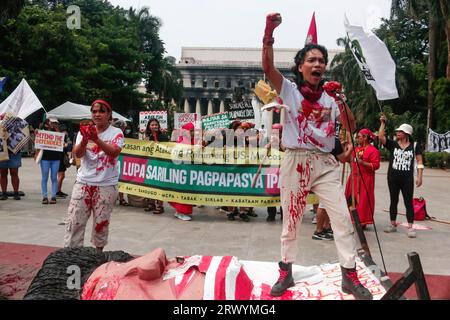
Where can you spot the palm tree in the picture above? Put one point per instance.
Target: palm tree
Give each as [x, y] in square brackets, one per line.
[345, 69]
[435, 10]
[445, 8]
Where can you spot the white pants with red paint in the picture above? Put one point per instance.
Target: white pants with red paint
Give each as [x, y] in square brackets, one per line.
[87, 200]
[303, 171]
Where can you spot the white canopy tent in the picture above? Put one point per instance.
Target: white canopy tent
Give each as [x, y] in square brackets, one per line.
[70, 111]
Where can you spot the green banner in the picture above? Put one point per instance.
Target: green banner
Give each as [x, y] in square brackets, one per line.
[171, 172]
[216, 121]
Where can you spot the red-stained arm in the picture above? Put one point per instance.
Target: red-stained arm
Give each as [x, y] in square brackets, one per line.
[275, 77]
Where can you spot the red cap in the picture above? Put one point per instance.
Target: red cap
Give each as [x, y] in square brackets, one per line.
[102, 102]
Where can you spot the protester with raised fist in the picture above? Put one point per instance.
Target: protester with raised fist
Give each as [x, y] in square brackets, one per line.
[402, 155]
[308, 165]
[95, 190]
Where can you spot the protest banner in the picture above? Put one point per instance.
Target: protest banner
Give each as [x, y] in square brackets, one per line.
[3, 144]
[242, 111]
[216, 121]
[183, 118]
[194, 175]
[17, 131]
[49, 140]
[144, 116]
[438, 142]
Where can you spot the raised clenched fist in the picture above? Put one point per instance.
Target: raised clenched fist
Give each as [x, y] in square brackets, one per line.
[273, 20]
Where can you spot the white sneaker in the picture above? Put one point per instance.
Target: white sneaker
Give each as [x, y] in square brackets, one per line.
[390, 229]
[411, 233]
[314, 220]
[184, 217]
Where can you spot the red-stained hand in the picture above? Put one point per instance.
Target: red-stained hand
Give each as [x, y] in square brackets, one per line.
[273, 20]
[93, 133]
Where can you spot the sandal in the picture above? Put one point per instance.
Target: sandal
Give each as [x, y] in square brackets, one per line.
[45, 201]
[124, 203]
[158, 210]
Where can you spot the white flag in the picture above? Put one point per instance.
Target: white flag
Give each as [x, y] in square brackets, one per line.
[374, 60]
[21, 102]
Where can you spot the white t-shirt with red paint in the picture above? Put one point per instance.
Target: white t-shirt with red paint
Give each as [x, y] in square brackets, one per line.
[317, 131]
[97, 168]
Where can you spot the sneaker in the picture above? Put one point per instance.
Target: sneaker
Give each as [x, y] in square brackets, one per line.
[314, 220]
[411, 233]
[322, 236]
[351, 285]
[52, 201]
[285, 280]
[4, 196]
[244, 217]
[390, 229]
[230, 216]
[61, 194]
[329, 231]
[184, 217]
[16, 196]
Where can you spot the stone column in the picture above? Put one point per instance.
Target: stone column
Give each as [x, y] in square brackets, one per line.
[222, 106]
[210, 107]
[186, 106]
[198, 109]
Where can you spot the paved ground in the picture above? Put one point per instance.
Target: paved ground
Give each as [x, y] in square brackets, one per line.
[209, 233]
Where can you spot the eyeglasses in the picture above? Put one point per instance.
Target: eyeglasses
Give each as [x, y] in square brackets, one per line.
[98, 111]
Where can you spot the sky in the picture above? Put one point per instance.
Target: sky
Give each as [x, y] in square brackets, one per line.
[240, 23]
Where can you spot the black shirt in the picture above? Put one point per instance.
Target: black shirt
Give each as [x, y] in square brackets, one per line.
[401, 161]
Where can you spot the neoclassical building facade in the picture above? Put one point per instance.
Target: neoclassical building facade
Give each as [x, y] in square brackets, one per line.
[211, 76]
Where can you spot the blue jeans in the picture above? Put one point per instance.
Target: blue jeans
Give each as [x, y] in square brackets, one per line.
[46, 166]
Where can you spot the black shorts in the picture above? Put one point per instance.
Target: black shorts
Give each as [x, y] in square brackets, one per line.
[62, 167]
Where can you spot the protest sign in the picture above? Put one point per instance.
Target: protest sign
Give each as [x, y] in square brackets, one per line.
[438, 142]
[49, 140]
[3, 144]
[144, 116]
[183, 118]
[242, 111]
[216, 121]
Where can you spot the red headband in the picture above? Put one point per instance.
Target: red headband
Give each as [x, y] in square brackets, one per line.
[102, 102]
[367, 132]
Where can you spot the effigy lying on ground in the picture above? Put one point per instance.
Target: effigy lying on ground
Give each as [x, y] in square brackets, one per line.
[116, 275]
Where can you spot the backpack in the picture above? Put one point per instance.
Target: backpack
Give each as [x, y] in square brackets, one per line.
[420, 209]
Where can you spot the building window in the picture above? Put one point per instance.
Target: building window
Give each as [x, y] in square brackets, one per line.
[240, 83]
[192, 83]
[216, 83]
[252, 84]
[205, 83]
[228, 84]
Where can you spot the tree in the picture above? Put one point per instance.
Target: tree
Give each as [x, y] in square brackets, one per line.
[407, 41]
[436, 11]
[112, 53]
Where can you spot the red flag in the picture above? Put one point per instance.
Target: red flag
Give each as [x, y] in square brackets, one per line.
[311, 37]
